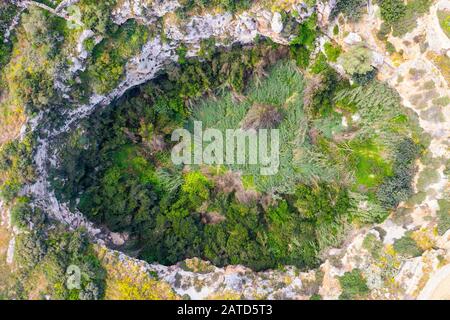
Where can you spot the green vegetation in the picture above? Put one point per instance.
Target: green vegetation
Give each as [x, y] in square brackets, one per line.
[299, 159]
[7, 13]
[353, 286]
[352, 9]
[336, 30]
[392, 10]
[373, 245]
[371, 168]
[357, 60]
[29, 76]
[390, 48]
[47, 255]
[444, 21]
[347, 155]
[23, 216]
[376, 103]
[15, 167]
[442, 62]
[214, 212]
[441, 101]
[171, 225]
[320, 64]
[332, 51]
[107, 63]
[397, 187]
[407, 246]
[46, 258]
[303, 44]
[96, 15]
[193, 6]
[401, 17]
[443, 216]
[427, 177]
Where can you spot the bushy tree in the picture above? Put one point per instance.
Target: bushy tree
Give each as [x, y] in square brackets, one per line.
[365, 78]
[107, 63]
[332, 51]
[24, 216]
[443, 216]
[196, 187]
[32, 248]
[7, 13]
[16, 166]
[96, 15]
[353, 285]
[407, 247]
[47, 253]
[398, 186]
[41, 30]
[357, 60]
[303, 44]
[392, 10]
[124, 203]
[352, 9]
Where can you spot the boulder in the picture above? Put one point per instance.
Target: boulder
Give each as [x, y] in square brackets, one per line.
[277, 23]
[352, 38]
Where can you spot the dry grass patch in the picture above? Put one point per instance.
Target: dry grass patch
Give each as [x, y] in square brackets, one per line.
[5, 271]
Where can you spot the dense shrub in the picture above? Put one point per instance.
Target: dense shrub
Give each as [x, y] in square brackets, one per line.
[129, 175]
[302, 45]
[7, 13]
[353, 285]
[390, 48]
[357, 60]
[365, 78]
[320, 64]
[32, 249]
[96, 15]
[173, 213]
[384, 31]
[407, 246]
[29, 76]
[443, 216]
[24, 216]
[16, 166]
[444, 21]
[352, 9]
[320, 102]
[398, 187]
[332, 51]
[47, 254]
[228, 5]
[392, 10]
[401, 17]
[107, 64]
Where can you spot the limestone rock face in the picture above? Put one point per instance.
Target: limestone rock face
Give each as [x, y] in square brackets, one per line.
[352, 38]
[377, 59]
[119, 239]
[276, 23]
[81, 53]
[144, 11]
